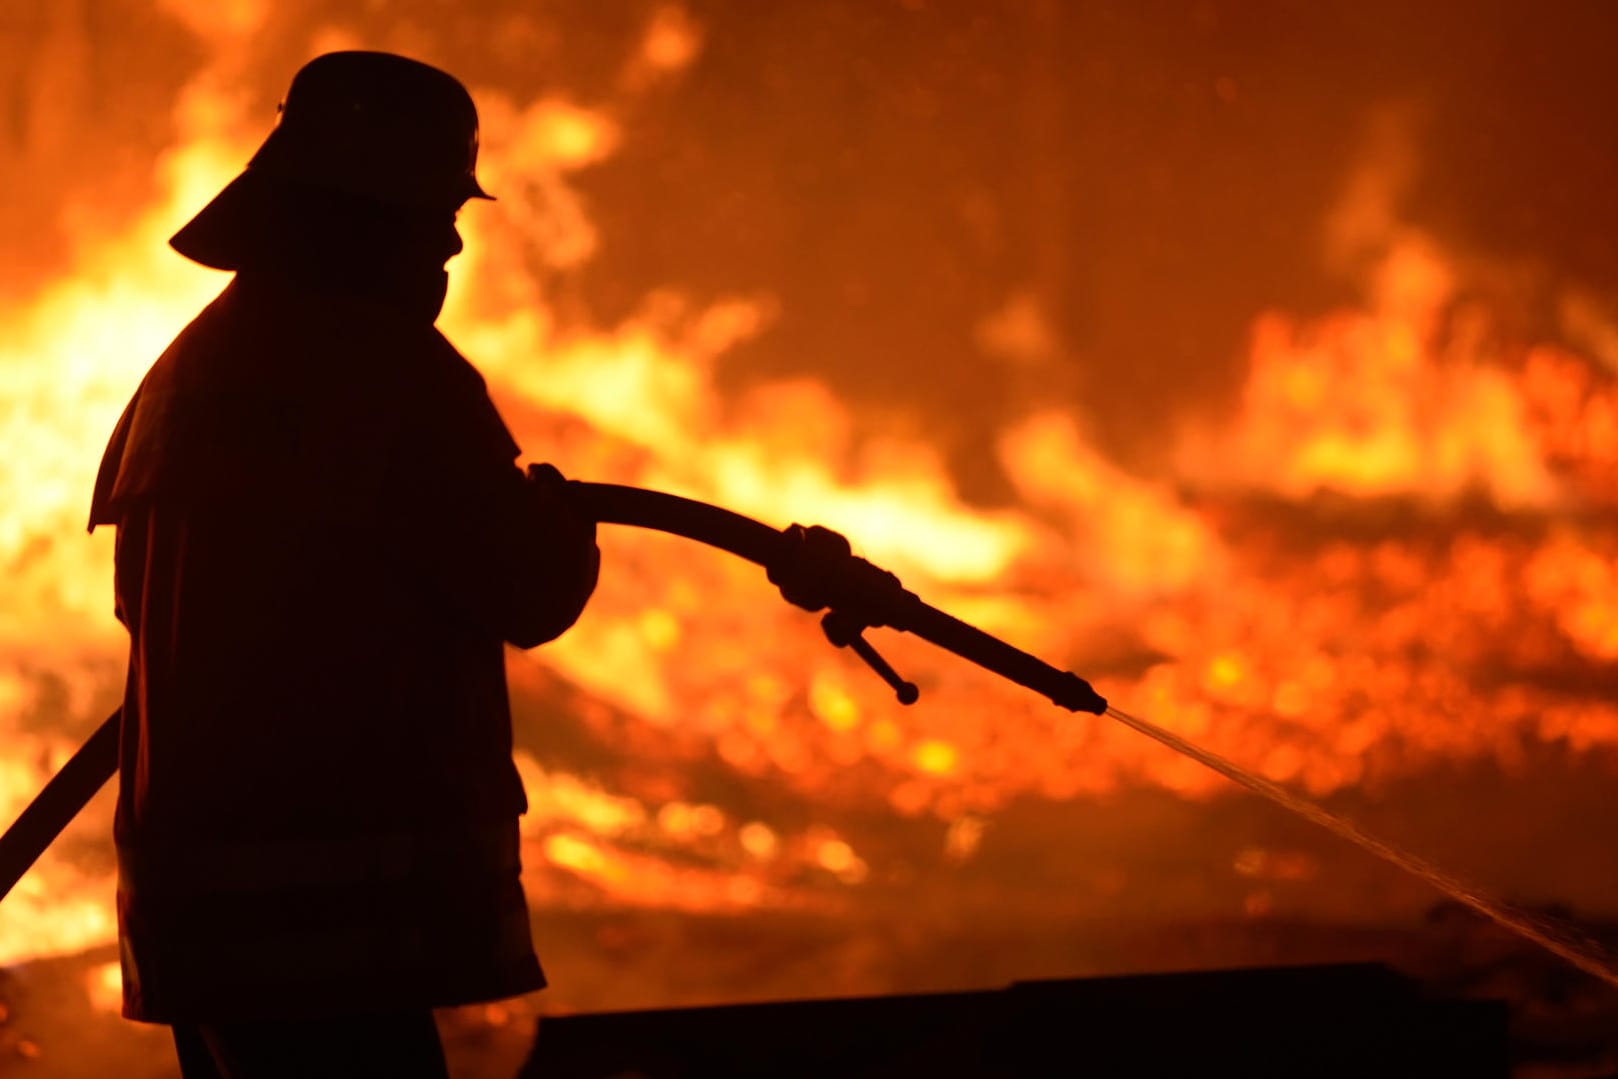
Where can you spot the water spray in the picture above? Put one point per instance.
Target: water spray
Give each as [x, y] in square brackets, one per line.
[1589, 955]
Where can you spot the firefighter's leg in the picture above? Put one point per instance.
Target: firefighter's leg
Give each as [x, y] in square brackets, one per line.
[401, 1046]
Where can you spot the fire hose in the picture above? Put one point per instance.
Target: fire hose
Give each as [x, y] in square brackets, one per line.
[814, 567]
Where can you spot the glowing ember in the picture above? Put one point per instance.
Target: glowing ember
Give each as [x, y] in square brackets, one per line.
[105, 986]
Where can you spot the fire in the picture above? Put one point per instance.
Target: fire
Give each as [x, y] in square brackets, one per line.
[104, 984]
[1322, 657]
[71, 359]
[1377, 402]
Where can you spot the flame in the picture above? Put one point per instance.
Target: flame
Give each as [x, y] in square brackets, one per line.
[1374, 402]
[1324, 659]
[71, 358]
[104, 984]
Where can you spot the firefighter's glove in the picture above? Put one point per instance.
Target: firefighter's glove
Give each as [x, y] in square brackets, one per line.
[815, 568]
[572, 529]
[554, 493]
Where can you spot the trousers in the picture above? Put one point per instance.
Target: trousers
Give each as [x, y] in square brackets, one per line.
[399, 1046]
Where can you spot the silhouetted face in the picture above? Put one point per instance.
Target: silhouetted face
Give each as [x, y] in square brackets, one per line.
[338, 242]
[418, 276]
[455, 245]
[433, 237]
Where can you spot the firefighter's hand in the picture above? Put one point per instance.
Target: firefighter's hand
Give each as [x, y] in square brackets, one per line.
[807, 563]
[569, 552]
[551, 488]
[815, 568]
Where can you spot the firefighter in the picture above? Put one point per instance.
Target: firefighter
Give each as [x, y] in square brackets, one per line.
[323, 541]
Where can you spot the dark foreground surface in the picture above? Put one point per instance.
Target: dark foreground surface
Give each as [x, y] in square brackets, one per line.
[1079, 993]
[1330, 1022]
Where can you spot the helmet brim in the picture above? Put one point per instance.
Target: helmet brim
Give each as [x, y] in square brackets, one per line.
[227, 232]
[222, 233]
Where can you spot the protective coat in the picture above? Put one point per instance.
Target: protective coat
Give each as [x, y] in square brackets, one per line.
[323, 542]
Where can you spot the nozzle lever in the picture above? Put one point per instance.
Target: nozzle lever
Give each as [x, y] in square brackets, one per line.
[846, 632]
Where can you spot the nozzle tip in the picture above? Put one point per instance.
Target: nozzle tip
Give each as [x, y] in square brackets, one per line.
[1079, 696]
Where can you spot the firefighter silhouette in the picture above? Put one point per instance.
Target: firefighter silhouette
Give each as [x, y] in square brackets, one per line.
[323, 543]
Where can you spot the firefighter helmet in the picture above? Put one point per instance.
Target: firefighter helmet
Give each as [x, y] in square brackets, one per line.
[371, 124]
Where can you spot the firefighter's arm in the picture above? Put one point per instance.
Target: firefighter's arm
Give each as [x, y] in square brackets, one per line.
[503, 550]
[499, 548]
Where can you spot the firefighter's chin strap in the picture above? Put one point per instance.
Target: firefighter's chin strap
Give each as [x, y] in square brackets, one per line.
[816, 570]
